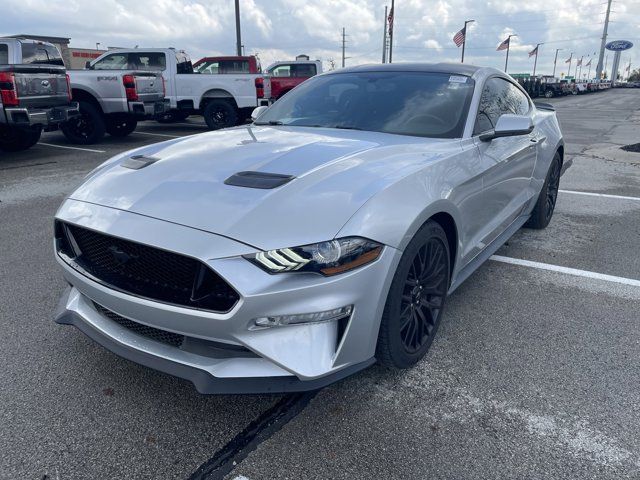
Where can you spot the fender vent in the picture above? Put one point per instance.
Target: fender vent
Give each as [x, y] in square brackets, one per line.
[258, 180]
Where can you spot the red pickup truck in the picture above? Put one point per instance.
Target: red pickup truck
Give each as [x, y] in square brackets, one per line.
[284, 76]
[228, 65]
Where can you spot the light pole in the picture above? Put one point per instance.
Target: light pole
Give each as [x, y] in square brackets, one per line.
[465, 37]
[556, 61]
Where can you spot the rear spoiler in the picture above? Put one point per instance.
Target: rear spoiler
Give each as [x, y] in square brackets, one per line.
[544, 106]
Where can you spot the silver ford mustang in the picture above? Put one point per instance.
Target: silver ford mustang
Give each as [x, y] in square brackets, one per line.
[289, 253]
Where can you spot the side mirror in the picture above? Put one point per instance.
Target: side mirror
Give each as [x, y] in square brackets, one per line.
[258, 111]
[509, 125]
[87, 65]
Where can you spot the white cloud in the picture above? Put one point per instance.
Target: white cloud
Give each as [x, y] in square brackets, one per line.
[280, 29]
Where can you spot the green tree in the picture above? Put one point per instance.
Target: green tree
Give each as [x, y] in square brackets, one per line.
[635, 75]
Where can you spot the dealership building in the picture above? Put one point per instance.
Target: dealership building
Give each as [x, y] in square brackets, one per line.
[74, 58]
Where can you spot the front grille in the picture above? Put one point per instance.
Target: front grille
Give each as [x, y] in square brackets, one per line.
[143, 270]
[162, 336]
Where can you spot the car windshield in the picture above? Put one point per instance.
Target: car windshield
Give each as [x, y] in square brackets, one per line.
[420, 104]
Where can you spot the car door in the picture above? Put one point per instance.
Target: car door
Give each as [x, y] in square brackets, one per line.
[509, 161]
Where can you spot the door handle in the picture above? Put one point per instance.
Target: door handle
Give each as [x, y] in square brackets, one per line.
[537, 140]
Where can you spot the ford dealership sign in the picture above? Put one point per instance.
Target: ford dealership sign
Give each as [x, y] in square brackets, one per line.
[619, 45]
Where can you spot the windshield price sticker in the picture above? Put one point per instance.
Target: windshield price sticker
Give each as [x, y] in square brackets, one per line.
[457, 79]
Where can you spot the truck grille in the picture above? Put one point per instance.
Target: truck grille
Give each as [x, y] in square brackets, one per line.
[143, 270]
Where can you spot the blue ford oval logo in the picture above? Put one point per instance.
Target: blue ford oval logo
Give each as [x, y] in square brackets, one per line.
[619, 45]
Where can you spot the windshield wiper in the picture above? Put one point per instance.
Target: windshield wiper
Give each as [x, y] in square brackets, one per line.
[270, 122]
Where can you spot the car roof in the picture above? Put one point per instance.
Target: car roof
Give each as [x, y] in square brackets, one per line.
[455, 68]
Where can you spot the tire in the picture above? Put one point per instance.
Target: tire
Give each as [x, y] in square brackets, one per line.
[413, 309]
[121, 127]
[220, 114]
[86, 129]
[18, 139]
[546, 202]
[173, 116]
[548, 94]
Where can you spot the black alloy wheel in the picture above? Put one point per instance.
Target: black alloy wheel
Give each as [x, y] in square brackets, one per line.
[552, 189]
[546, 202]
[416, 299]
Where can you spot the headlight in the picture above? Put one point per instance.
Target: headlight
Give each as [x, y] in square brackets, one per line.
[327, 258]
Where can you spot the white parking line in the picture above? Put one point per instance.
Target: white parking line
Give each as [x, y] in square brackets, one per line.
[569, 271]
[72, 148]
[604, 195]
[158, 134]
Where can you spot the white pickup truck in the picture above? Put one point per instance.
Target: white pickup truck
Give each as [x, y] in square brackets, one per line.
[34, 92]
[112, 98]
[223, 100]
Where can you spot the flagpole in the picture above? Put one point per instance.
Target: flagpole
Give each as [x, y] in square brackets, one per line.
[506, 61]
[464, 42]
[535, 60]
[391, 24]
[569, 69]
[556, 61]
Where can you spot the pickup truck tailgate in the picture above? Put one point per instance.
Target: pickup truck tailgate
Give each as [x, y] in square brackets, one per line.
[149, 85]
[40, 86]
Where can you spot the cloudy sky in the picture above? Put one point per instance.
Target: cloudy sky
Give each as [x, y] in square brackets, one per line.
[280, 29]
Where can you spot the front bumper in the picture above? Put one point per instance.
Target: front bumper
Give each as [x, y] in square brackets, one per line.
[152, 109]
[292, 358]
[46, 117]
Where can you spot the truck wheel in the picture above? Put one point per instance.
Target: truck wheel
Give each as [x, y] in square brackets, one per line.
[220, 114]
[548, 93]
[121, 127]
[87, 128]
[18, 139]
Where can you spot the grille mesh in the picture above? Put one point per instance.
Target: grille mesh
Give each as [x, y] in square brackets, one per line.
[152, 333]
[146, 271]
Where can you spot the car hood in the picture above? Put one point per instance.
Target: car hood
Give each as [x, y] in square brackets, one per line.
[336, 172]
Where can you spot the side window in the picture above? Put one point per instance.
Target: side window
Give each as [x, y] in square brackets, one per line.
[4, 54]
[498, 98]
[115, 61]
[282, 71]
[518, 100]
[304, 70]
[151, 61]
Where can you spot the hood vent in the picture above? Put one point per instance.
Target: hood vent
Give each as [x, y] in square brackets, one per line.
[258, 180]
[136, 162]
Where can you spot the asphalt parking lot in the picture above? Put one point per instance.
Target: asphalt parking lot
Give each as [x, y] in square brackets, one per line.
[535, 372]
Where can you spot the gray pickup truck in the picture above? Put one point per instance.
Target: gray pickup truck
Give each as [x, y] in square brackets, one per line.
[113, 101]
[34, 92]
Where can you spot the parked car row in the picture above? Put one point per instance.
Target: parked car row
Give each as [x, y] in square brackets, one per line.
[124, 86]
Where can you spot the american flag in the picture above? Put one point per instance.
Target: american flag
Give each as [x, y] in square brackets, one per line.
[459, 37]
[568, 60]
[390, 20]
[504, 45]
[533, 52]
[579, 63]
[588, 63]
[628, 69]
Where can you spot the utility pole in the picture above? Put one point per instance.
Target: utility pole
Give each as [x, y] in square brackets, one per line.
[392, 15]
[555, 61]
[344, 42]
[535, 60]
[238, 39]
[384, 37]
[604, 40]
[465, 37]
